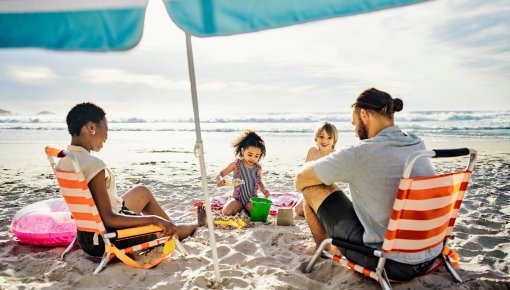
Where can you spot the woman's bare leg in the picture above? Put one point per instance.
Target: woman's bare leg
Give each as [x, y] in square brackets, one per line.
[140, 199]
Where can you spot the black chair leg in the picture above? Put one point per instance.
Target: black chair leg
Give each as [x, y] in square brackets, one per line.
[451, 269]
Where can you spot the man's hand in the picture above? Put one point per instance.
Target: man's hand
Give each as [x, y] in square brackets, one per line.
[306, 177]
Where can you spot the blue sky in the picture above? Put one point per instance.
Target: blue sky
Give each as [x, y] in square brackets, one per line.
[438, 55]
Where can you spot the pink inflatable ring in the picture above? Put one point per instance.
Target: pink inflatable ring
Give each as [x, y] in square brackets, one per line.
[44, 223]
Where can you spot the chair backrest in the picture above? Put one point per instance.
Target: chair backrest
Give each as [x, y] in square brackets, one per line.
[425, 208]
[76, 193]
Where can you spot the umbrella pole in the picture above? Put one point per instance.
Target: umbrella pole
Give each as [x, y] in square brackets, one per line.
[199, 152]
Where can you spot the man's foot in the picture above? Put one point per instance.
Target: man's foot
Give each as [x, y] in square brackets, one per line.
[310, 250]
[201, 216]
[334, 250]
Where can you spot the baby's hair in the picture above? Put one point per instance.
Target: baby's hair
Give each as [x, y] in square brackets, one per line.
[330, 129]
[81, 114]
[246, 139]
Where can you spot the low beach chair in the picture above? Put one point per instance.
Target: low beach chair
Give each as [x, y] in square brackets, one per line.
[78, 198]
[423, 217]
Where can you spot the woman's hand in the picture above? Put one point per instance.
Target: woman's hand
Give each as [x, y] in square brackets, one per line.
[169, 228]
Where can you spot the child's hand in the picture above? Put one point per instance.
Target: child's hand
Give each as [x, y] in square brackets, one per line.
[220, 182]
[266, 193]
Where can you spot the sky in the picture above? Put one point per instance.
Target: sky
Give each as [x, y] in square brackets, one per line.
[447, 55]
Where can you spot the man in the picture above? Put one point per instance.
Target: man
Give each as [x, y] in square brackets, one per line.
[372, 169]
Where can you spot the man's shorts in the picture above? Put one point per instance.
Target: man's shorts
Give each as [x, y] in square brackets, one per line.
[340, 221]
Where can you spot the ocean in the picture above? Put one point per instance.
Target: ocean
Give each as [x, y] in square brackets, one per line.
[287, 135]
[495, 124]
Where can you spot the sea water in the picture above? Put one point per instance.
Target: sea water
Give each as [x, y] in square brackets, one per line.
[287, 135]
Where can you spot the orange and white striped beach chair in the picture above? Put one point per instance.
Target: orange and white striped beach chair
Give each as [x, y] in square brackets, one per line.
[78, 198]
[423, 217]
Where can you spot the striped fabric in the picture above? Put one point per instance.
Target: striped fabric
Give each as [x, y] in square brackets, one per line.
[346, 263]
[423, 215]
[76, 193]
[424, 212]
[251, 178]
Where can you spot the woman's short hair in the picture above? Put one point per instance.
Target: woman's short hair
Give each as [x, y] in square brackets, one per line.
[81, 114]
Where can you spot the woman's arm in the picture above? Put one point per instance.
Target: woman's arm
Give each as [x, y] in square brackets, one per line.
[97, 186]
[219, 178]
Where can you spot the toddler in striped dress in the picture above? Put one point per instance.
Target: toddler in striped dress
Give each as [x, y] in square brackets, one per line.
[249, 148]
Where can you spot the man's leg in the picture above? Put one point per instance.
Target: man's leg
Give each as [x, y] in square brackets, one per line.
[312, 199]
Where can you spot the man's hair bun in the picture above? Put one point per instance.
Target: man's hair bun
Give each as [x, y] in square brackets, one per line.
[398, 105]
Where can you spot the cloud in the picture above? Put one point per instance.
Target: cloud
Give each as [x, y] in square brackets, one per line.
[435, 55]
[104, 76]
[31, 75]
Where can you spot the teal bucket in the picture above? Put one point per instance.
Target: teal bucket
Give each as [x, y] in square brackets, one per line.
[260, 209]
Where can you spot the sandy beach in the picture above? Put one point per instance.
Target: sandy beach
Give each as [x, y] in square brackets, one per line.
[265, 256]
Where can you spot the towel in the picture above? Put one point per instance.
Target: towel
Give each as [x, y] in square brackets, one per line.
[279, 199]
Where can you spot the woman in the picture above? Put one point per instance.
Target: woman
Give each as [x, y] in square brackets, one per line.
[88, 127]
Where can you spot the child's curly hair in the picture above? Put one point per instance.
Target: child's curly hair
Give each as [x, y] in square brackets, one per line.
[246, 139]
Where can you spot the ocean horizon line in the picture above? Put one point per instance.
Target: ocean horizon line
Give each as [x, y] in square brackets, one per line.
[282, 117]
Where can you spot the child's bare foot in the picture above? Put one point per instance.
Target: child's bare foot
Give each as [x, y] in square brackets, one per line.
[201, 216]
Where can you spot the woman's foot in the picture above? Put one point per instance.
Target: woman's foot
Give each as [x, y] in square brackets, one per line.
[201, 216]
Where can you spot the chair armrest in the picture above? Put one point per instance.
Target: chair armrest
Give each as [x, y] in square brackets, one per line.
[451, 152]
[55, 152]
[138, 231]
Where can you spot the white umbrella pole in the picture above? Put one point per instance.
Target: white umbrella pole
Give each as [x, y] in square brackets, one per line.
[199, 152]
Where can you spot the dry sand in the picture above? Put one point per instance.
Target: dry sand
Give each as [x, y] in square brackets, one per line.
[265, 256]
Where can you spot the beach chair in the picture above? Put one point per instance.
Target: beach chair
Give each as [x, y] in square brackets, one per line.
[78, 198]
[423, 217]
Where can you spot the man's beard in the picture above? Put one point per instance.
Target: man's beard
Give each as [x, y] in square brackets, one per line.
[361, 131]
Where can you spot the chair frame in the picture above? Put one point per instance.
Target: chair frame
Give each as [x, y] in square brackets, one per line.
[111, 251]
[380, 274]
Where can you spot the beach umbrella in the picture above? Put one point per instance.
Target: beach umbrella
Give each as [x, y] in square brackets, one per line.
[110, 25]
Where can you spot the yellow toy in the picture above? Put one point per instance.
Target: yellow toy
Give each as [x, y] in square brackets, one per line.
[234, 223]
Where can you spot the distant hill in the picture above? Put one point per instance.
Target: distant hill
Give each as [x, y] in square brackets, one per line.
[45, 113]
[5, 113]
